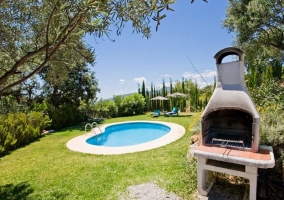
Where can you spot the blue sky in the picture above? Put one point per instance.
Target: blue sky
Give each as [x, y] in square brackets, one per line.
[192, 31]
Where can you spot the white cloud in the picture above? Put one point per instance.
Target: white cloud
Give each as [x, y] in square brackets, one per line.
[206, 74]
[190, 75]
[122, 81]
[140, 80]
[201, 84]
[166, 75]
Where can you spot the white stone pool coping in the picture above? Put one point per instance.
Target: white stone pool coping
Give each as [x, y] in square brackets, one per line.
[79, 143]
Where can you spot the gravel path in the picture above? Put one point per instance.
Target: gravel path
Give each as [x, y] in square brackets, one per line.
[151, 191]
[148, 191]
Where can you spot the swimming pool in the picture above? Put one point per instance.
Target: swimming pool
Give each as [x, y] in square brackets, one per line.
[80, 143]
[131, 133]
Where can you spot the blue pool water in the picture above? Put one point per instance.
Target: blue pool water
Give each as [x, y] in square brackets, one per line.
[127, 134]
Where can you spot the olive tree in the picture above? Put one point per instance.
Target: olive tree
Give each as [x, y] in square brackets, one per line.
[257, 22]
[259, 29]
[37, 35]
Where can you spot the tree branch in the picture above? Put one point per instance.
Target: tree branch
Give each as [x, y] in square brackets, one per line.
[9, 73]
[47, 29]
[79, 52]
[52, 53]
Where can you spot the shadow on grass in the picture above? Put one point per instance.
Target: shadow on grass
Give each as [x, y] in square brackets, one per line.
[11, 150]
[77, 127]
[189, 115]
[22, 191]
[18, 191]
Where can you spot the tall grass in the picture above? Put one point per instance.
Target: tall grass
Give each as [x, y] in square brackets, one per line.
[47, 169]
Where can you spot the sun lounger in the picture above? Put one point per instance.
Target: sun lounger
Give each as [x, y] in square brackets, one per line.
[156, 113]
[172, 113]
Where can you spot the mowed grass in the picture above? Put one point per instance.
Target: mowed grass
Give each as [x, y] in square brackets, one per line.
[47, 169]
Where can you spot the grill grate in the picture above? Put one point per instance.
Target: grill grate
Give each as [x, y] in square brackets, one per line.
[239, 139]
[227, 143]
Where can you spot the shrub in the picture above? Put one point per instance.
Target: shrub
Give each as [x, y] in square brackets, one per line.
[121, 106]
[272, 134]
[269, 100]
[65, 115]
[20, 129]
[117, 100]
[132, 105]
[39, 107]
[106, 109]
[269, 96]
[8, 105]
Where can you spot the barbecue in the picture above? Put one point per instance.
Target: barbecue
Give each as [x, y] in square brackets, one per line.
[230, 126]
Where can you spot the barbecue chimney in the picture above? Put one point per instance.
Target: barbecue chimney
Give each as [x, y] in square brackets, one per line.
[230, 118]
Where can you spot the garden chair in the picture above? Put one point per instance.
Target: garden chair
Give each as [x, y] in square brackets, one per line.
[172, 113]
[156, 113]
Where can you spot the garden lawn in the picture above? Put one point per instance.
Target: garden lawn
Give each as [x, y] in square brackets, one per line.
[47, 169]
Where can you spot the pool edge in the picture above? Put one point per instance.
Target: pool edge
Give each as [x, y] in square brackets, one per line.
[79, 143]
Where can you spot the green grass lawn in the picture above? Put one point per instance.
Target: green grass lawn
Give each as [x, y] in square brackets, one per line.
[47, 169]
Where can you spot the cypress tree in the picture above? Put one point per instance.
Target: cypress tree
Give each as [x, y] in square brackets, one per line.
[139, 91]
[183, 99]
[171, 85]
[164, 89]
[143, 91]
[164, 93]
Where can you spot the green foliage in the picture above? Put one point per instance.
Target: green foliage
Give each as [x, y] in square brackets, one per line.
[272, 128]
[65, 115]
[106, 109]
[269, 96]
[196, 98]
[195, 94]
[8, 105]
[55, 172]
[256, 22]
[132, 105]
[258, 26]
[272, 134]
[262, 64]
[117, 100]
[20, 129]
[39, 107]
[47, 36]
[143, 89]
[81, 85]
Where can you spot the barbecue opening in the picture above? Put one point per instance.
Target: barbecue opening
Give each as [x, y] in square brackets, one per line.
[229, 128]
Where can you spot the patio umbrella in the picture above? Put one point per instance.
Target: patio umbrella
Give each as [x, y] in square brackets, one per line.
[176, 95]
[159, 98]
